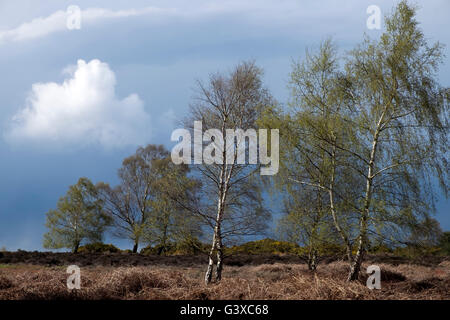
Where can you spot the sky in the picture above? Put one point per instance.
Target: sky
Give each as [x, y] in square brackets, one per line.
[75, 101]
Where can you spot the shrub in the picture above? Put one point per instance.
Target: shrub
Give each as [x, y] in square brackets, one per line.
[444, 243]
[5, 282]
[413, 251]
[265, 246]
[191, 246]
[98, 247]
[187, 247]
[169, 249]
[329, 248]
[380, 248]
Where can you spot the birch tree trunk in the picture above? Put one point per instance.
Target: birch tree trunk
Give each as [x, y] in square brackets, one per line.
[362, 239]
[226, 106]
[312, 259]
[217, 237]
[219, 266]
[209, 270]
[217, 241]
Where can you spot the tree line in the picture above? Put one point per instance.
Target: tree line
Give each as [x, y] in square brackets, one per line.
[363, 141]
[140, 208]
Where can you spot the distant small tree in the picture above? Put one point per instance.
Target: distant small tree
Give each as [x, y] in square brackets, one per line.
[78, 218]
[419, 238]
[142, 206]
[170, 223]
[308, 224]
[128, 204]
[426, 233]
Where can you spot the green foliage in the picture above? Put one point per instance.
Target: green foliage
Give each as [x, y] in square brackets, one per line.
[400, 113]
[310, 227]
[168, 221]
[98, 247]
[372, 135]
[311, 175]
[79, 218]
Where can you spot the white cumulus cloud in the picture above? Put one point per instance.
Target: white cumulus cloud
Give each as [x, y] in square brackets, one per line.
[83, 110]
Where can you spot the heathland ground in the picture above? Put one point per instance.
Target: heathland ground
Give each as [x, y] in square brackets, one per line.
[35, 275]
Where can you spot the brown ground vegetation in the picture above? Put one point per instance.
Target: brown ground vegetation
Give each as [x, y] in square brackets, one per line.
[273, 280]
